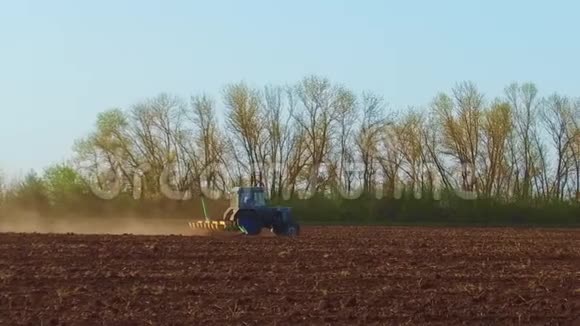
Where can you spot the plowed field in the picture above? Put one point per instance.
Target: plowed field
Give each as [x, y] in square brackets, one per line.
[330, 275]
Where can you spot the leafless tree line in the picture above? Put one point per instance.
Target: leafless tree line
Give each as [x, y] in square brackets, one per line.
[319, 136]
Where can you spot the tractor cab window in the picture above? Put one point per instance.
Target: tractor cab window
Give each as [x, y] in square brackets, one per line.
[247, 199]
[252, 198]
[259, 199]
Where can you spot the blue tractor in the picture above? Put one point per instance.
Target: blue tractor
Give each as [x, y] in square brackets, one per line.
[248, 213]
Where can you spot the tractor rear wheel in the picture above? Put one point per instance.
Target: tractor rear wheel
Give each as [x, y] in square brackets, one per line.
[249, 222]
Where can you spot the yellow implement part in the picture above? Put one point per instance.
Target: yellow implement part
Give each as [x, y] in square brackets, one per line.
[210, 225]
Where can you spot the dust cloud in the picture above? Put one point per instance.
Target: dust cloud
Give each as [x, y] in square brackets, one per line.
[26, 222]
[22, 221]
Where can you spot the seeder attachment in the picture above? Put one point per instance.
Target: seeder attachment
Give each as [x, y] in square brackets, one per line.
[214, 225]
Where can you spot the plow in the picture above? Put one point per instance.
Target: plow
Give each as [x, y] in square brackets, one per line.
[248, 214]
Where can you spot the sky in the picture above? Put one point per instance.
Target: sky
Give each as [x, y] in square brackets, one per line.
[63, 62]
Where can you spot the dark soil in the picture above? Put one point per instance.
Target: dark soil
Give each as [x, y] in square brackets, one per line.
[330, 275]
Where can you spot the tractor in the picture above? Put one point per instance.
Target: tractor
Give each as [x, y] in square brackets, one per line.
[248, 213]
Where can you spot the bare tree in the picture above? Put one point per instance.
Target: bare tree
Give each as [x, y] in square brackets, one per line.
[244, 122]
[460, 118]
[557, 114]
[108, 149]
[316, 116]
[279, 107]
[390, 157]
[369, 134]
[209, 146]
[157, 125]
[524, 101]
[411, 148]
[432, 140]
[345, 107]
[496, 128]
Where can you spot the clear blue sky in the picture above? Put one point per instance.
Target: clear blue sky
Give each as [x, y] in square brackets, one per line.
[62, 62]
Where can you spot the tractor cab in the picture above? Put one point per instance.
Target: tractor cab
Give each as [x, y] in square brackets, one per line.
[248, 197]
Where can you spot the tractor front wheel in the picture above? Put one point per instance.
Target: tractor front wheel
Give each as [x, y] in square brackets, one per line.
[293, 230]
